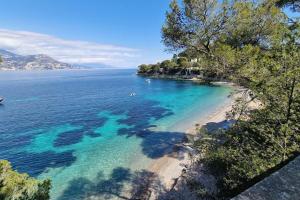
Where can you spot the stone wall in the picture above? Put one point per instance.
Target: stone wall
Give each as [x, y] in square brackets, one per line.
[281, 185]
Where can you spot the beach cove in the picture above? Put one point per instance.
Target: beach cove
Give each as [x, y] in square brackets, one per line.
[85, 131]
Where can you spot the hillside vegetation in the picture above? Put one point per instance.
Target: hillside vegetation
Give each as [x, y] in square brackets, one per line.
[16, 186]
[255, 45]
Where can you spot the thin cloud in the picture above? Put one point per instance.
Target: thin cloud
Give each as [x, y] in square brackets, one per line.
[70, 51]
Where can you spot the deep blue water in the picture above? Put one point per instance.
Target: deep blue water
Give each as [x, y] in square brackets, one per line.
[86, 132]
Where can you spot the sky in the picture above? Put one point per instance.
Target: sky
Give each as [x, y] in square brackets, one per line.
[119, 33]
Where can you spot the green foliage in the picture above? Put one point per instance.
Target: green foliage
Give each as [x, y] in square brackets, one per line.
[244, 29]
[200, 26]
[183, 62]
[260, 139]
[168, 64]
[196, 26]
[16, 186]
[253, 44]
[293, 4]
[178, 65]
[218, 34]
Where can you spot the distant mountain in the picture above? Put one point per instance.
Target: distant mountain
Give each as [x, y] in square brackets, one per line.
[13, 61]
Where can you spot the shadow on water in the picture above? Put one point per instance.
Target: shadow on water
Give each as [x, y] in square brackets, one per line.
[214, 126]
[159, 144]
[123, 183]
[36, 163]
[78, 103]
[140, 183]
[156, 144]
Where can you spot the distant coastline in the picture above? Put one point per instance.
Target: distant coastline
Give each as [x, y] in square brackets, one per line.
[194, 78]
[14, 62]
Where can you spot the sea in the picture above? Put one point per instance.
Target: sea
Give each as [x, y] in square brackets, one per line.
[95, 133]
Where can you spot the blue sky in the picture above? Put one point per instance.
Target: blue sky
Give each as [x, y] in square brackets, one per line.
[119, 33]
[133, 24]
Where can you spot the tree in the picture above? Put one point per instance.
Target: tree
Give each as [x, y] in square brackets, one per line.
[293, 4]
[253, 23]
[217, 32]
[16, 186]
[262, 138]
[168, 64]
[183, 62]
[197, 25]
[144, 69]
[255, 45]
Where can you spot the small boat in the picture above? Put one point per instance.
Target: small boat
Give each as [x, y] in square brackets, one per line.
[132, 94]
[1, 99]
[148, 80]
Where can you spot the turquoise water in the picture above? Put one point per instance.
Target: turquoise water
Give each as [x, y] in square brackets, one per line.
[86, 132]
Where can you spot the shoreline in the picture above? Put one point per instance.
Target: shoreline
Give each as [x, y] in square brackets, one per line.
[169, 168]
[193, 78]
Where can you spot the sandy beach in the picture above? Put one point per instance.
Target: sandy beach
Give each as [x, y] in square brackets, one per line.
[169, 168]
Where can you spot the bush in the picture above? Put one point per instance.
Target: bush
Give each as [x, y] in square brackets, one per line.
[16, 186]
